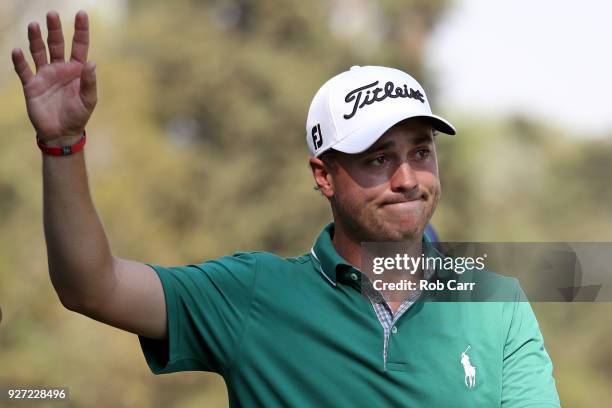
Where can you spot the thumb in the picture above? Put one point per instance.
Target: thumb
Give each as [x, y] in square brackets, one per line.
[88, 85]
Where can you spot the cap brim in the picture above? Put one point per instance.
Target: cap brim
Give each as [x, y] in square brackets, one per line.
[360, 140]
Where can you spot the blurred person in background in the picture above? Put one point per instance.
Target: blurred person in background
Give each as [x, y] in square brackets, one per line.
[290, 331]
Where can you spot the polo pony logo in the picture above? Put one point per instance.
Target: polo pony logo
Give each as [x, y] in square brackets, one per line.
[469, 369]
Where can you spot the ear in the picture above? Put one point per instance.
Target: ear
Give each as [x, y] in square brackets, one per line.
[322, 176]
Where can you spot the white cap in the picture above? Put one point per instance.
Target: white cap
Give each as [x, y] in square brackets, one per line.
[352, 110]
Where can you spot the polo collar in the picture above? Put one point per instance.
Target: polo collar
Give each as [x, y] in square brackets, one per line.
[328, 260]
[326, 256]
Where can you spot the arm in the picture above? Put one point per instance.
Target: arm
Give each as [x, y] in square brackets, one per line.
[527, 369]
[88, 279]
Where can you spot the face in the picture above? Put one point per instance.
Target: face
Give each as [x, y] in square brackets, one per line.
[390, 191]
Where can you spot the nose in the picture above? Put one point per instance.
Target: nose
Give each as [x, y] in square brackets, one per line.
[404, 178]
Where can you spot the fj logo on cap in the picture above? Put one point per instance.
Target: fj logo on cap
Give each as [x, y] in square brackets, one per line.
[317, 136]
[379, 94]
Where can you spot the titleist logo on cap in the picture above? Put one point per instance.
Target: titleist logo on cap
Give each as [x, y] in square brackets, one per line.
[379, 94]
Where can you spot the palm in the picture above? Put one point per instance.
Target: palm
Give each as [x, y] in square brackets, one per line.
[62, 95]
[54, 102]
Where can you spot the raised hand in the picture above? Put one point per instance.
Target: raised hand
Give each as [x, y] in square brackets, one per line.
[62, 95]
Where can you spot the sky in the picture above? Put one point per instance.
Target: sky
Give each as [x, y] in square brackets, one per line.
[544, 58]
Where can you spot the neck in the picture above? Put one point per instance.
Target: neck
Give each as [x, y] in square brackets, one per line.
[349, 247]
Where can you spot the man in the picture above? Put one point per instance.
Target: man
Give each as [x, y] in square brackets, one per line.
[291, 331]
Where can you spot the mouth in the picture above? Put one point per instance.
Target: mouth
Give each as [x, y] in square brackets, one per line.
[403, 205]
[401, 202]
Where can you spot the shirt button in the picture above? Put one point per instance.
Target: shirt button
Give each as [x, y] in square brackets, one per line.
[354, 276]
[394, 329]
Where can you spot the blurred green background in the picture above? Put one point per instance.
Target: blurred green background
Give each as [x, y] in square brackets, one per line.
[196, 149]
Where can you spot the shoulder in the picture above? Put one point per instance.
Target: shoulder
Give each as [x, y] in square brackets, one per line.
[270, 259]
[255, 261]
[493, 287]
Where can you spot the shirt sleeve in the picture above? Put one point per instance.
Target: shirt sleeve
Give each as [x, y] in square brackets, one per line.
[527, 377]
[207, 305]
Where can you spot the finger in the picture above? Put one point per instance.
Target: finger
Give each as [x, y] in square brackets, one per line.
[37, 46]
[55, 38]
[88, 85]
[21, 66]
[80, 40]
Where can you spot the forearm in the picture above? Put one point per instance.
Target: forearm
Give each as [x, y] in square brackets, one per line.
[79, 256]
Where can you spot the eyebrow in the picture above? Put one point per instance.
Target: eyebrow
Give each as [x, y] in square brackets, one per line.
[381, 146]
[391, 143]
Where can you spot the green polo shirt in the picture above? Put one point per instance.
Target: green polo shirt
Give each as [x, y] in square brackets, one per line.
[298, 332]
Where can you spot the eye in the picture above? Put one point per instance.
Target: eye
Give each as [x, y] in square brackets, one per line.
[377, 161]
[423, 153]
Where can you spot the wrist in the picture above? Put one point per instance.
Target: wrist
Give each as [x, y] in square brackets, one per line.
[63, 146]
[63, 141]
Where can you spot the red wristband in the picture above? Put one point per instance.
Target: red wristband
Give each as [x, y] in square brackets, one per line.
[62, 150]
